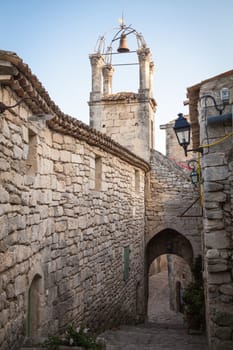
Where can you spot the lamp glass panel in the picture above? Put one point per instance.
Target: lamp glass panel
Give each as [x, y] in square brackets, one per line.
[194, 177]
[183, 136]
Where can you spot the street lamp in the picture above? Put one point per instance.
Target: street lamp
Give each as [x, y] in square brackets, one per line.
[182, 131]
[195, 174]
[182, 126]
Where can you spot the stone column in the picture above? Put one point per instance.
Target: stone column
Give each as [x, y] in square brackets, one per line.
[107, 75]
[144, 57]
[97, 63]
[152, 69]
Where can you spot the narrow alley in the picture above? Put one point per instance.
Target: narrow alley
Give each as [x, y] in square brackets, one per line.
[163, 331]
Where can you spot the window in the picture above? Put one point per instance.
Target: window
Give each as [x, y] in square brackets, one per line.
[126, 262]
[152, 134]
[98, 173]
[32, 153]
[137, 180]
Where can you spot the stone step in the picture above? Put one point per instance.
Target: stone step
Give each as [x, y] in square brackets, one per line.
[148, 337]
[33, 343]
[32, 348]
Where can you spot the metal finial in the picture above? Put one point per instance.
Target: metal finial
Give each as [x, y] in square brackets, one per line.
[122, 21]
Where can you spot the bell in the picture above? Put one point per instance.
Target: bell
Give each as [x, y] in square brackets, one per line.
[123, 44]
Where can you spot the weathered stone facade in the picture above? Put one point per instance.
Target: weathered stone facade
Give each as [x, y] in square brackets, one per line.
[82, 216]
[72, 201]
[171, 202]
[171, 226]
[215, 130]
[174, 222]
[180, 276]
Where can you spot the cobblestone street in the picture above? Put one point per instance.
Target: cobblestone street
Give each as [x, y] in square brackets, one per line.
[158, 303]
[164, 330]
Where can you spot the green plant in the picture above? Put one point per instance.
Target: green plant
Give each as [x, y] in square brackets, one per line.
[194, 299]
[74, 337]
[53, 342]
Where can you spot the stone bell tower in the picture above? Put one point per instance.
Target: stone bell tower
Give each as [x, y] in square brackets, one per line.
[127, 117]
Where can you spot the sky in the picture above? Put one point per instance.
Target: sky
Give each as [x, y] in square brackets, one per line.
[190, 41]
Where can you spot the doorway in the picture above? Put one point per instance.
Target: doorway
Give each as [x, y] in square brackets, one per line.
[34, 307]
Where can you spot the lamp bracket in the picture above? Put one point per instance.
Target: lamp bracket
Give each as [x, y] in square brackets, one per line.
[189, 207]
[4, 107]
[219, 108]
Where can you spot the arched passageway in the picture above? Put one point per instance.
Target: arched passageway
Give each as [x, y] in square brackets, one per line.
[169, 257]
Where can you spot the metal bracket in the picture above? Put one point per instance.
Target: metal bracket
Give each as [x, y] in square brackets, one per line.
[192, 216]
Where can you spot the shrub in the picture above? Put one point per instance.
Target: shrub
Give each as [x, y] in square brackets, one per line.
[194, 299]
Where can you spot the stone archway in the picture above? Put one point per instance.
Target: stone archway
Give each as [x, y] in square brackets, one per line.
[169, 241]
[179, 254]
[34, 307]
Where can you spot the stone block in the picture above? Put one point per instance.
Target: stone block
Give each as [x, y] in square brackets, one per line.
[216, 240]
[65, 156]
[46, 166]
[58, 138]
[227, 289]
[214, 214]
[17, 152]
[215, 159]
[16, 139]
[212, 254]
[215, 197]
[4, 165]
[20, 284]
[224, 345]
[216, 173]
[5, 129]
[45, 181]
[213, 225]
[4, 198]
[54, 154]
[217, 268]
[219, 277]
[58, 167]
[76, 158]
[29, 180]
[64, 347]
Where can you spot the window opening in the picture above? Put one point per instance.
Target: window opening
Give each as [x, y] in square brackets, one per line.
[98, 173]
[126, 262]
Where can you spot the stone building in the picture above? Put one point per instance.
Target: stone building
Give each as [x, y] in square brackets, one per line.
[211, 122]
[84, 211]
[72, 217]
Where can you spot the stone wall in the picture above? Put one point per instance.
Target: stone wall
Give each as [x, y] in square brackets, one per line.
[64, 231]
[174, 222]
[128, 119]
[179, 274]
[172, 202]
[218, 208]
